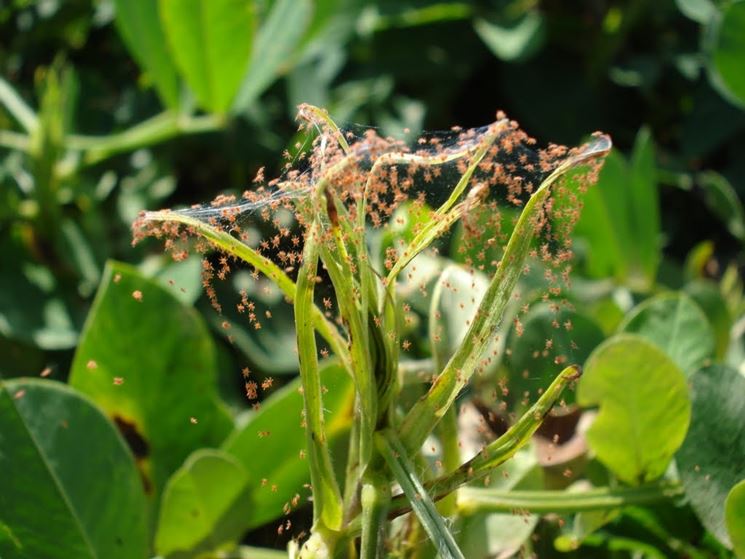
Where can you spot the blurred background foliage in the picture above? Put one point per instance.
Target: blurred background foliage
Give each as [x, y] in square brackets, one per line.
[110, 107]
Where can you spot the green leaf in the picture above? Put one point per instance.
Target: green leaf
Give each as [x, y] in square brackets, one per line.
[503, 534]
[270, 444]
[676, 325]
[709, 298]
[150, 364]
[455, 299]
[513, 42]
[267, 347]
[69, 486]
[700, 11]
[620, 223]
[205, 504]
[603, 225]
[183, 278]
[34, 308]
[332, 24]
[425, 414]
[711, 459]
[729, 52]
[211, 41]
[404, 472]
[551, 339]
[141, 29]
[274, 50]
[225, 242]
[644, 407]
[724, 202]
[644, 205]
[734, 513]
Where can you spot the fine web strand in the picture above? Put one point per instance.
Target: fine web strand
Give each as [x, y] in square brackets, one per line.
[302, 171]
[392, 179]
[380, 175]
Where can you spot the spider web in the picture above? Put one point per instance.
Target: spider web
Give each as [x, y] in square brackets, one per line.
[394, 179]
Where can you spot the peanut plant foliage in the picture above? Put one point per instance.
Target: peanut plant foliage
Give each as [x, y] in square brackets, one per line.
[389, 341]
[413, 282]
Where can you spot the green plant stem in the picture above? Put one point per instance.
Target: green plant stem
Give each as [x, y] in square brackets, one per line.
[17, 107]
[47, 145]
[517, 436]
[375, 498]
[327, 509]
[352, 473]
[394, 454]
[317, 113]
[485, 145]
[361, 368]
[497, 452]
[505, 447]
[358, 297]
[447, 431]
[474, 499]
[424, 238]
[427, 412]
[159, 128]
[15, 140]
[229, 244]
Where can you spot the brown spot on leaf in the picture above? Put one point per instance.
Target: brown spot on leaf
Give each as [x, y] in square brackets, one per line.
[139, 447]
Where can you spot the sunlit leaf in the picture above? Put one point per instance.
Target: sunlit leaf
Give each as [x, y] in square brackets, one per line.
[700, 11]
[278, 37]
[729, 52]
[644, 407]
[205, 504]
[675, 324]
[272, 444]
[516, 41]
[139, 23]
[211, 41]
[162, 395]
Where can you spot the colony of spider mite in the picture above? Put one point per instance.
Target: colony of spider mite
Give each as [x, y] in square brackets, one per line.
[506, 176]
[393, 173]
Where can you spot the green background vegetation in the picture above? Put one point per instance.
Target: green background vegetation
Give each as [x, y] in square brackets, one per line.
[111, 107]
